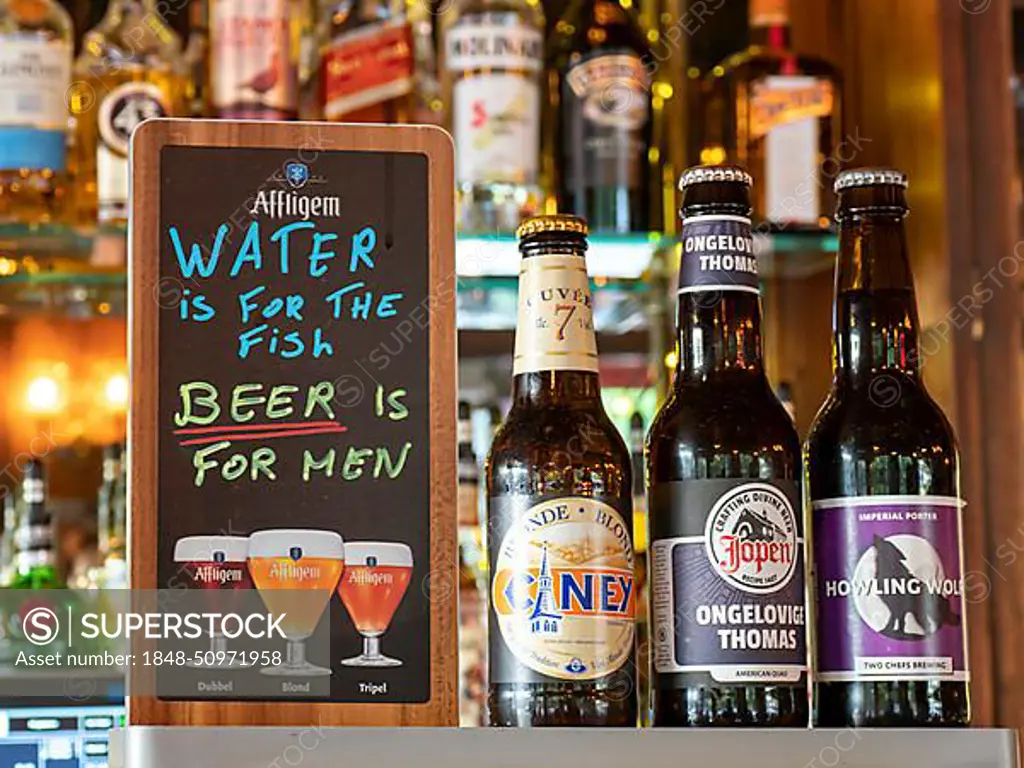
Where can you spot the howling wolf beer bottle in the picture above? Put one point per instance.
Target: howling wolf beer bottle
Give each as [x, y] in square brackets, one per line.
[726, 553]
[559, 522]
[884, 489]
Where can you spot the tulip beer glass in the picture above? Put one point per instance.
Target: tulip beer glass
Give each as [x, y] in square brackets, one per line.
[376, 577]
[215, 563]
[296, 572]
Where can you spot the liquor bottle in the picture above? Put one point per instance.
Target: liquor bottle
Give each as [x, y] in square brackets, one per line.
[599, 116]
[37, 566]
[883, 471]
[115, 566]
[35, 71]
[777, 113]
[8, 542]
[469, 470]
[130, 69]
[726, 562]
[254, 59]
[106, 501]
[559, 488]
[197, 58]
[493, 62]
[429, 104]
[472, 605]
[368, 67]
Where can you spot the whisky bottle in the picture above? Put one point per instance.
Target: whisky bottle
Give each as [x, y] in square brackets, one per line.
[35, 71]
[600, 116]
[254, 59]
[368, 65]
[777, 113]
[493, 51]
[130, 69]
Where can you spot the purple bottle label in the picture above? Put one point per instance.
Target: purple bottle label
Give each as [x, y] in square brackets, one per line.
[889, 588]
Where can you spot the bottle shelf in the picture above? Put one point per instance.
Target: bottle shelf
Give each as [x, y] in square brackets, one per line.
[53, 268]
[171, 747]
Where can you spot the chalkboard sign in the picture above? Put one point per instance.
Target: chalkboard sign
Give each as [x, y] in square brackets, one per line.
[292, 345]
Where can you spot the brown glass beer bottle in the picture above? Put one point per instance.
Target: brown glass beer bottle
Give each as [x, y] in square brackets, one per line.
[559, 522]
[884, 491]
[726, 568]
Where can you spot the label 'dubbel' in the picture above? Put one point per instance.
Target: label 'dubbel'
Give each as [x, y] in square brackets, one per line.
[727, 596]
[890, 602]
[718, 255]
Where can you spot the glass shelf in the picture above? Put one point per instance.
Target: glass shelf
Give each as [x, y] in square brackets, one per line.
[616, 256]
[491, 304]
[79, 273]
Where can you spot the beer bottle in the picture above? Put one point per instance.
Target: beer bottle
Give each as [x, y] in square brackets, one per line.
[884, 490]
[727, 566]
[560, 544]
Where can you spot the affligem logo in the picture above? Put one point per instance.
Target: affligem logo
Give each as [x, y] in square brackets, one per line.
[40, 626]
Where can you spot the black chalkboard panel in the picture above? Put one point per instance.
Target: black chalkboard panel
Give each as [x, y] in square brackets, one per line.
[295, 294]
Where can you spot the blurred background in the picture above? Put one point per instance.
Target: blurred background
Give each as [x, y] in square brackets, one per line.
[796, 90]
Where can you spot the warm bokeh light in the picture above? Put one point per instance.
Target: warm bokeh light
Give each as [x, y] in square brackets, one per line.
[671, 359]
[116, 392]
[43, 395]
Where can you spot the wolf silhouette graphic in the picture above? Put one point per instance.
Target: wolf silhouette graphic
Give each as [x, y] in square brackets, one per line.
[930, 611]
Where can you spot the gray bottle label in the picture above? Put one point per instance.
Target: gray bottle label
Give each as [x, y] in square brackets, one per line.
[727, 590]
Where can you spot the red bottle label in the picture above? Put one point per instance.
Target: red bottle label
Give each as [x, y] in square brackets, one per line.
[253, 66]
[367, 66]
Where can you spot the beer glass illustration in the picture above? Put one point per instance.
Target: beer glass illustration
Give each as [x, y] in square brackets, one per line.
[215, 564]
[377, 573]
[296, 572]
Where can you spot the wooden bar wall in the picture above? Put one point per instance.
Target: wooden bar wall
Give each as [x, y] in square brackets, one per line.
[927, 90]
[983, 228]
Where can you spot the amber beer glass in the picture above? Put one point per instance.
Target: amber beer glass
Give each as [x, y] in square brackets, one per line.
[215, 564]
[296, 572]
[885, 493]
[559, 487]
[376, 576]
[726, 555]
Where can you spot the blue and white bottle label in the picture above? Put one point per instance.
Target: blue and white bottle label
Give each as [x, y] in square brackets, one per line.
[34, 77]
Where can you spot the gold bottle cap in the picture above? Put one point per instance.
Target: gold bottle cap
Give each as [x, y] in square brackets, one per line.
[559, 222]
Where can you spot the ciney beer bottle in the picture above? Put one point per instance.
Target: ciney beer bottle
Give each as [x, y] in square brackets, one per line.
[884, 490]
[559, 485]
[726, 552]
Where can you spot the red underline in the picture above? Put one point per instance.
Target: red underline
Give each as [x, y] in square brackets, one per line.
[253, 427]
[336, 429]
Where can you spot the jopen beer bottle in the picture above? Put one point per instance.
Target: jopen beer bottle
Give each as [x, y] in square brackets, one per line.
[726, 551]
[560, 539]
[884, 490]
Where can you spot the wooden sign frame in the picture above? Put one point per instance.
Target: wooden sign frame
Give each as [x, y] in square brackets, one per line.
[144, 242]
